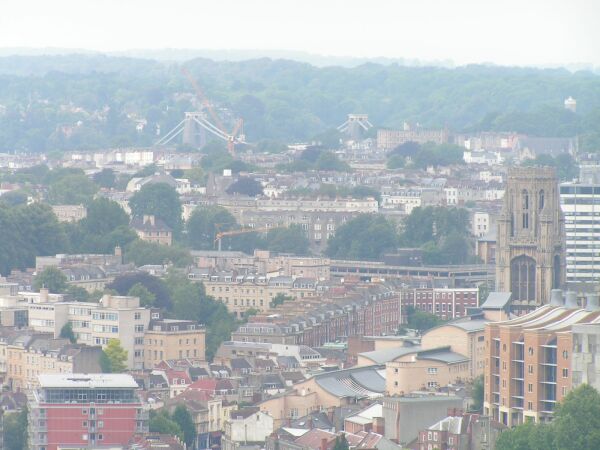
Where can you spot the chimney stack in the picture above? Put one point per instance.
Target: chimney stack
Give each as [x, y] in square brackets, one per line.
[44, 295]
[324, 444]
[149, 219]
[556, 298]
[592, 303]
[571, 300]
[379, 425]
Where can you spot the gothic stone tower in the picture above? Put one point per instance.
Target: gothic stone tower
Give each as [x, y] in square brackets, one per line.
[530, 247]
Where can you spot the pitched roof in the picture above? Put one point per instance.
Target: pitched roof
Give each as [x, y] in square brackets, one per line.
[389, 354]
[497, 300]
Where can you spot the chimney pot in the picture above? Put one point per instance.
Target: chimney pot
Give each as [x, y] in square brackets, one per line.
[571, 300]
[556, 297]
[592, 303]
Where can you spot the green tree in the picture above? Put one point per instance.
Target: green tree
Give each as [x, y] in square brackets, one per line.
[270, 146]
[279, 299]
[528, 436]
[365, 192]
[160, 200]
[330, 161]
[146, 297]
[477, 393]
[15, 430]
[105, 178]
[117, 356]
[66, 332]
[191, 302]
[196, 175]
[577, 420]
[245, 186]
[72, 190]
[52, 279]
[142, 252]
[341, 443]
[396, 162]
[183, 418]
[288, 240]
[103, 217]
[365, 237]
[77, 293]
[422, 321]
[203, 223]
[14, 198]
[160, 422]
[248, 313]
[156, 286]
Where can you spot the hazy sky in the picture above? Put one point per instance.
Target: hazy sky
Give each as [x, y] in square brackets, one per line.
[524, 32]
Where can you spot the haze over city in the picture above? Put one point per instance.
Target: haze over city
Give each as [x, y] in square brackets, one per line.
[299, 225]
[510, 32]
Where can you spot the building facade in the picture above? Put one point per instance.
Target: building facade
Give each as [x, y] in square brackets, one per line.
[580, 204]
[530, 360]
[85, 411]
[530, 253]
[173, 339]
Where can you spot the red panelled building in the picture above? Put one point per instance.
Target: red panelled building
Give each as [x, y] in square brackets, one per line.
[82, 410]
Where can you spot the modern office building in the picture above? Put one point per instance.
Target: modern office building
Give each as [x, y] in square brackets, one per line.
[580, 204]
[530, 255]
[85, 411]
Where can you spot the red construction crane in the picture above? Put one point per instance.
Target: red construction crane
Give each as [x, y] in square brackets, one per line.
[217, 128]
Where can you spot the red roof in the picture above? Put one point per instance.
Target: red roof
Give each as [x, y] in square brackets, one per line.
[211, 385]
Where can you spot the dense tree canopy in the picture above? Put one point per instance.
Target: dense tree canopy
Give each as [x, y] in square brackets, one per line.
[160, 200]
[72, 190]
[277, 102]
[367, 236]
[245, 186]
[116, 356]
[15, 430]
[50, 278]
[191, 302]
[441, 233]
[161, 422]
[124, 283]
[142, 253]
[576, 426]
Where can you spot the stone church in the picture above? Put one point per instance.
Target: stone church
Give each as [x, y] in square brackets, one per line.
[530, 249]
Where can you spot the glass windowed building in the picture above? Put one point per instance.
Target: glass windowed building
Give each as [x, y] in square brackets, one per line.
[85, 411]
[580, 204]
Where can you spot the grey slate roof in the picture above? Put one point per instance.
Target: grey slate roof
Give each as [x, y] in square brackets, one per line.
[445, 356]
[389, 354]
[497, 300]
[363, 382]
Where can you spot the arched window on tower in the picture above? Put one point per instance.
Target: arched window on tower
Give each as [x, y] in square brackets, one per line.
[541, 200]
[522, 278]
[525, 205]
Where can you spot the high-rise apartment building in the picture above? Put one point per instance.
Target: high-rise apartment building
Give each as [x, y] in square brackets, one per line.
[85, 411]
[580, 204]
[533, 361]
[530, 255]
[113, 317]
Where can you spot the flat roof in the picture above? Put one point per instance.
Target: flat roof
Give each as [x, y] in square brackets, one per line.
[87, 381]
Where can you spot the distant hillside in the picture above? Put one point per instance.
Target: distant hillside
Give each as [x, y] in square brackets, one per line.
[101, 96]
